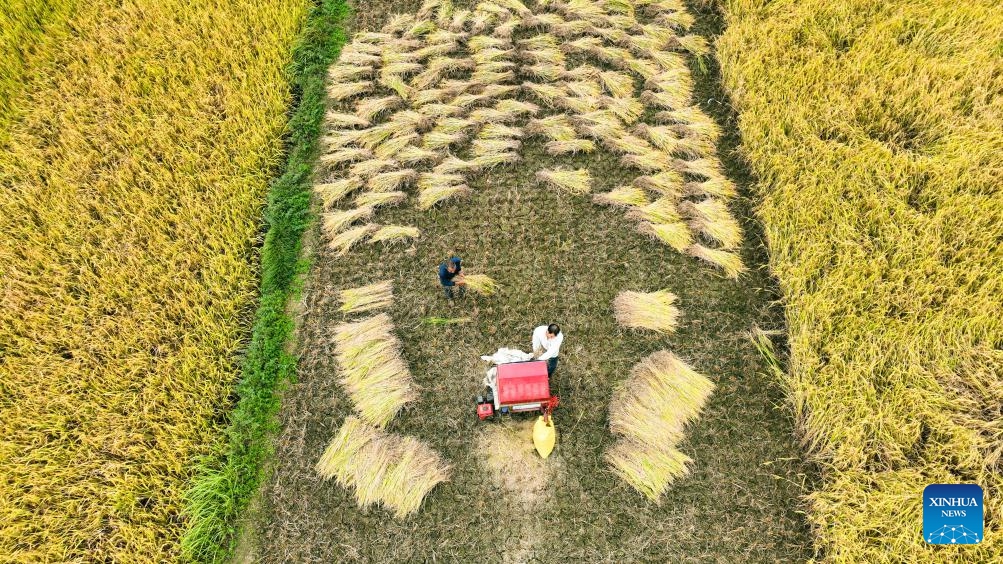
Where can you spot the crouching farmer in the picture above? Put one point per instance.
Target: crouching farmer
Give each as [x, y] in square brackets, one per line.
[547, 341]
[450, 276]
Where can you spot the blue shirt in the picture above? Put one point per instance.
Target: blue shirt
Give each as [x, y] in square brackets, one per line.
[445, 276]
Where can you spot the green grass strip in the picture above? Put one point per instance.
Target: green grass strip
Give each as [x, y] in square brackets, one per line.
[226, 482]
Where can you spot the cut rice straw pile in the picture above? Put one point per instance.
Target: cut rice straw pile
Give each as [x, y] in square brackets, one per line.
[394, 471]
[650, 412]
[574, 181]
[374, 375]
[395, 233]
[367, 298]
[653, 310]
[481, 284]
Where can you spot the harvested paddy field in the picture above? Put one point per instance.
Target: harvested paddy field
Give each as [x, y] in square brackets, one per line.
[555, 256]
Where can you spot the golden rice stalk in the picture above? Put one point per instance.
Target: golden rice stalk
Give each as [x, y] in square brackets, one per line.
[695, 44]
[571, 28]
[646, 44]
[397, 83]
[410, 120]
[435, 49]
[365, 298]
[508, 28]
[400, 69]
[644, 68]
[423, 96]
[542, 20]
[625, 7]
[492, 54]
[718, 187]
[712, 218]
[499, 131]
[585, 9]
[516, 6]
[351, 339]
[574, 181]
[432, 195]
[539, 41]
[661, 396]
[707, 168]
[546, 93]
[662, 210]
[454, 164]
[469, 100]
[556, 127]
[617, 84]
[493, 67]
[391, 147]
[663, 137]
[482, 42]
[398, 23]
[336, 221]
[489, 160]
[343, 90]
[648, 470]
[371, 108]
[669, 100]
[624, 142]
[365, 169]
[582, 72]
[670, 62]
[544, 71]
[570, 146]
[668, 183]
[647, 160]
[611, 34]
[492, 115]
[344, 241]
[337, 120]
[357, 58]
[454, 125]
[379, 393]
[332, 192]
[436, 140]
[411, 155]
[728, 261]
[583, 88]
[627, 109]
[492, 8]
[493, 146]
[438, 111]
[651, 310]
[460, 20]
[623, 196]
[394, 233]
[346, 73]
[420, 28]
[346, 155]
[613, 55]
[391, 181]
[553, 56]
[500, 90]
[433, 179]
[676, 235]
[579, 105]
[481, 284]
[516, 107]
[373, 136]
[586, 45]
[427, 9]
[488, 77]
[376, 199]
[339, 139]
[353, 435]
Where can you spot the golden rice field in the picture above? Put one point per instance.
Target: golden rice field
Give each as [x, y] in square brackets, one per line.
[874, 128]
[131, 189]
[27, 29]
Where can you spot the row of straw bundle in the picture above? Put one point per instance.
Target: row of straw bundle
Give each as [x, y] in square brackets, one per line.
[649, 412]
[373, 373]
[382, 468]
[373, 296]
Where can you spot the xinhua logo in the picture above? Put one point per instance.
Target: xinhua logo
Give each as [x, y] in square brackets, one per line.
[952, 514]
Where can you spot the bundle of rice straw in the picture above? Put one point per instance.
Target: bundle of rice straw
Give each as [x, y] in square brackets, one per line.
[676, 235]
[712, 218]
[654, 310]
[728, 261]
[392, 470]
[366, 298]
[374, 199]
[481, 284]
[650, 411]
[344, 241]
[624, 196]
[336, 221]
[436, 193]
[394, 233]
[574, 181]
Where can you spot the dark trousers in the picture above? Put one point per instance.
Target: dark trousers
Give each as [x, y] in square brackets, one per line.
[449, 290]
[551, 366]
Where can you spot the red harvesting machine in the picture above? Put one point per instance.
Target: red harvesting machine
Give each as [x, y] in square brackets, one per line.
[517, 387]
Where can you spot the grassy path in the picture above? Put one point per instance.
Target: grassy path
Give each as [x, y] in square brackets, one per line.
[563, 258]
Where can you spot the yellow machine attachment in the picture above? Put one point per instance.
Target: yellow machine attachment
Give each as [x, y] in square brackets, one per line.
[544, 435]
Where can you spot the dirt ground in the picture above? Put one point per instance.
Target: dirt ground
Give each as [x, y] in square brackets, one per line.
[557, 258]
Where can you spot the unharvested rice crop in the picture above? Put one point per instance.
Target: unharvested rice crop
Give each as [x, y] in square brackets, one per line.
[654, 310]
[649, 412]
[367, 298]
[874, 128]
[133, 183]
[440, 95]
[392, 470]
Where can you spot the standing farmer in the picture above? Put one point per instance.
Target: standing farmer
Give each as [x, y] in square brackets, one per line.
[547, 340]
[450, 275]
